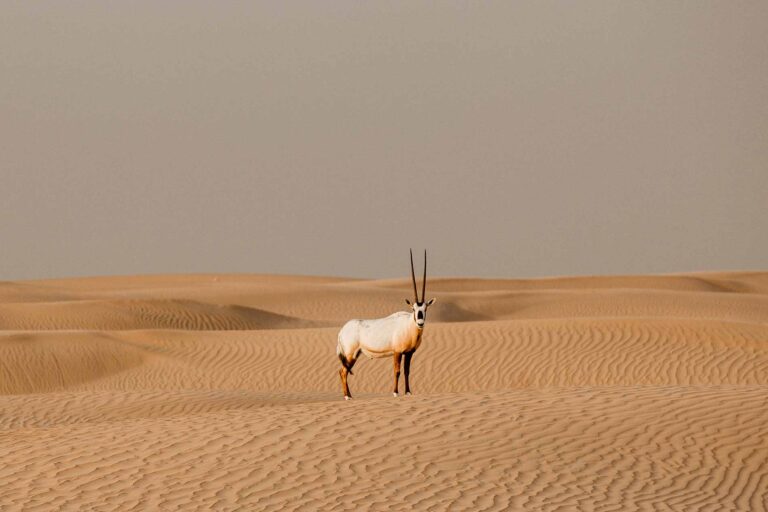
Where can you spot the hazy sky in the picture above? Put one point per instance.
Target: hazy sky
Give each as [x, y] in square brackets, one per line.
[509, 138]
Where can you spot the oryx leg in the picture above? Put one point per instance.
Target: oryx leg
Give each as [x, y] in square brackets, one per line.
[408, 356]
[345, 370]
[398, 355]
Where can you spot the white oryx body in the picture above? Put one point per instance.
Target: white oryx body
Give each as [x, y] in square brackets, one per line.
[398, 335]
[380, 337]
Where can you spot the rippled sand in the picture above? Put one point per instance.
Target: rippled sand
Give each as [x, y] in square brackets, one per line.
[220, 392]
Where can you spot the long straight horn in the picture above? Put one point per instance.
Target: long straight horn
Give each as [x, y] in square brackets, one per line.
[413, 278]
[424, 279]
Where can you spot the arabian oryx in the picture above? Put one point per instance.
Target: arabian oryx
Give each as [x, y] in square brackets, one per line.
[397, 335]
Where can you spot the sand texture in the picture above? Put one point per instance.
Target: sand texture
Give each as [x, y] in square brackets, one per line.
[221, 392]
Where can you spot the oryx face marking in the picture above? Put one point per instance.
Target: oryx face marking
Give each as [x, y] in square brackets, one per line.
[420, 312]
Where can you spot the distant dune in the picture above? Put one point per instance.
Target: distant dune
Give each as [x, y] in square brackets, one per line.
[220, 392]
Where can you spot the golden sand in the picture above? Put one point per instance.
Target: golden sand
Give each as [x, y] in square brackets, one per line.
[220, 392]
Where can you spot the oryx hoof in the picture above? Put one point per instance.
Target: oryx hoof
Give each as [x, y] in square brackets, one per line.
[347, 398]
[407, 393]
[394, 395]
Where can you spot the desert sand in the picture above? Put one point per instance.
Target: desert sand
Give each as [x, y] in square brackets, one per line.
[221, 392]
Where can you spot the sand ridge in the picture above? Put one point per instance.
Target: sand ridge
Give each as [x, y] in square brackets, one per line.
[220, 392]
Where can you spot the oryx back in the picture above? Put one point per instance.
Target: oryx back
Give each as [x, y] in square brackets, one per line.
[379, 337]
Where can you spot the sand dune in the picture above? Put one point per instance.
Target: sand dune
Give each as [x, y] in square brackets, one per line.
[141, 314]
[221, 392]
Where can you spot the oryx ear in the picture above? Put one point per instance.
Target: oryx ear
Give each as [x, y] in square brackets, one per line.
[431, 301]
[407, 302]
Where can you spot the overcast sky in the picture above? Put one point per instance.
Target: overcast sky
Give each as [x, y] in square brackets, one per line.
[510, 139]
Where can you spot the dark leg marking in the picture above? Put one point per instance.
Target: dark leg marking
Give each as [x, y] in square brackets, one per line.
[398, 355]
[408, 356]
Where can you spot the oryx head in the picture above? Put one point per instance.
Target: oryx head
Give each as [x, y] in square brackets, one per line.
[419, 306]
